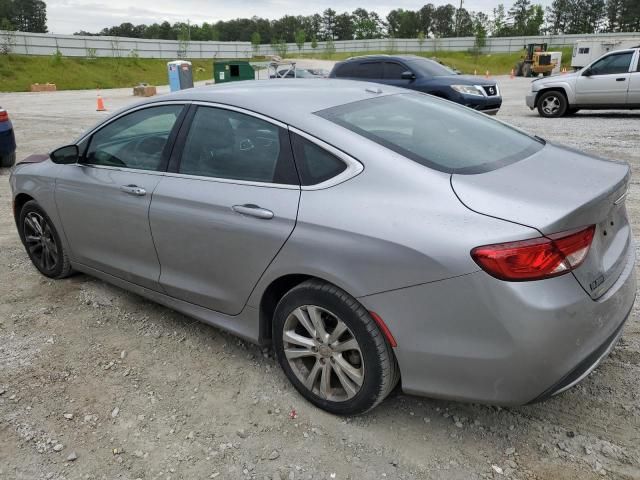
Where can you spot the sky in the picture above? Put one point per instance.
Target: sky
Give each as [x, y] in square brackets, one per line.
[69, 16]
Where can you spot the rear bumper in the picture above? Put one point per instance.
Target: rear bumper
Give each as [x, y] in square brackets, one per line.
[476, 338]
[7, 142]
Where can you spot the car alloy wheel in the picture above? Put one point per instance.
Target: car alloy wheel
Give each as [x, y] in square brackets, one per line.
[40, 242]
[323, 353]
[551, 105]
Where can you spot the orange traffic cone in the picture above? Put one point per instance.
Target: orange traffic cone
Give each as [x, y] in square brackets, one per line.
[513, 73]
[100, 105]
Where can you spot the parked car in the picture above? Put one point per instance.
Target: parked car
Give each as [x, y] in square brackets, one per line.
[354, 232]
[423, 75]
[7, 141]
[297, 73]
[610, 82]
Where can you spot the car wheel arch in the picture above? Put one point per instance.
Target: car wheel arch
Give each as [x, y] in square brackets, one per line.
[552, 89]
[272, 294]
[19, 202]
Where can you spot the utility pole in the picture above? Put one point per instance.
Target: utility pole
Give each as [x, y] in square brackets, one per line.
[458, 20]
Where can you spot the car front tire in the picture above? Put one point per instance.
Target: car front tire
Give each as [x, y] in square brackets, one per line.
[552, 104]
[331, 349]
[7, 161]
[42, 242]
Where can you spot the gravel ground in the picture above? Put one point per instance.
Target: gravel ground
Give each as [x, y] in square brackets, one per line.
[97, 383]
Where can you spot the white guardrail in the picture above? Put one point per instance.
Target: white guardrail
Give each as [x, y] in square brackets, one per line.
[83, 46]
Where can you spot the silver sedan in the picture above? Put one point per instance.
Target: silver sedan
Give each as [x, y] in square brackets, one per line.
[373, 236]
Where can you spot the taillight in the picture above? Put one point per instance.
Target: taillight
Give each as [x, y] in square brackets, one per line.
[4, 116]
[535, 259]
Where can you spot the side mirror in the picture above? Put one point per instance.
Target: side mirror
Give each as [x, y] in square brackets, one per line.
[408, 75]
[588, 72]
[65, 155]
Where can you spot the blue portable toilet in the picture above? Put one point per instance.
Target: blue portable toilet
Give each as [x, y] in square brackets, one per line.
[180, 75]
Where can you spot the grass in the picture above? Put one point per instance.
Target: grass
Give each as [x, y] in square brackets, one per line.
[18, 72]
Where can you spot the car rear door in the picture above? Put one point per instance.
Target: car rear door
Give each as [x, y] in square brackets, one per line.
[104, 199]
[226, 207]
[606, 81]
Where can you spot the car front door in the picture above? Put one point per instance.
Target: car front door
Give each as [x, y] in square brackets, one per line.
[606, 81]
[393, 72]
[226, 207]
[633, 94]
[104, 199]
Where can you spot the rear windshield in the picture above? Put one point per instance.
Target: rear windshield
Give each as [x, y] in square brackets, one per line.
[435, 133]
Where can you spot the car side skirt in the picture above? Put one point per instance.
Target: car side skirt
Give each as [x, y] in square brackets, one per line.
[245, 325]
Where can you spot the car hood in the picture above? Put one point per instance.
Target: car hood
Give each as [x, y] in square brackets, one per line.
[465, 80]
[554, 78]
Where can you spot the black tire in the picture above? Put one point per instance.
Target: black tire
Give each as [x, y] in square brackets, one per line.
[47, 254]
[526, 70]
[518, 69]
[7, 161]
[552, 104]
[380, 371]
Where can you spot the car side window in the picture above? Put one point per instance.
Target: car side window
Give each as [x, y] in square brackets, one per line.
[232, 145]
[346, 70]
[315, 164]
[369, 70]
[612, 64]
[394, 71]
[136, 140]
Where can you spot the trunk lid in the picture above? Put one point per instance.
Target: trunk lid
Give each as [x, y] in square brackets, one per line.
[555, 190]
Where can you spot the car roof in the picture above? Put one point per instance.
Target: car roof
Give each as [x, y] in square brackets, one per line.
[288, 101]
[384, 57]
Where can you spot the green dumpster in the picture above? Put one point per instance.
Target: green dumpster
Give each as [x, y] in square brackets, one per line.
[232, 71]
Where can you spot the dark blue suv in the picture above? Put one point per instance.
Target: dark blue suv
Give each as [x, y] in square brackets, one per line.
[423, 75]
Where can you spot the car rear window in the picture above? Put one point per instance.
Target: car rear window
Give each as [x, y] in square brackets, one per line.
[435, 133]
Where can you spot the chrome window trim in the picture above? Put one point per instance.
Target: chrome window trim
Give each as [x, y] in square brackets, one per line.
[119, 169]
[232, 181]
[240, 110]
[354, 167]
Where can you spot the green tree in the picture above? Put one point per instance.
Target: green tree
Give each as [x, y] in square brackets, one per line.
[255, 42]
[328, 23]
[280, 47]
[421, 39]
[301, 36]
[443, 21]
[344, 28]
[27, 15]
[314, 42]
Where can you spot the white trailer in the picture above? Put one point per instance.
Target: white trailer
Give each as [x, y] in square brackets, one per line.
[586, 51]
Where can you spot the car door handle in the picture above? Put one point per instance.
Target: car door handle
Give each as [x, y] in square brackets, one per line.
[133, 190]
[253, 211]
[620, 79]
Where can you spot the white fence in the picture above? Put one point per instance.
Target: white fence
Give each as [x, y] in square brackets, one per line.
[81, 46]
[493, 44]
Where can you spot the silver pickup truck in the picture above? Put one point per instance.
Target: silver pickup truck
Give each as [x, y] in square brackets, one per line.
[610, 82]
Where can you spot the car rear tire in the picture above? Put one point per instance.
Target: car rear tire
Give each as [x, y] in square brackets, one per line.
[331, 349]
[7, 161]
[42, 242]
[552, 104]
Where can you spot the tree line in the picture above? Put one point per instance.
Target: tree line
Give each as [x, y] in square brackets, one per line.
[23, 15]
[523, 18]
